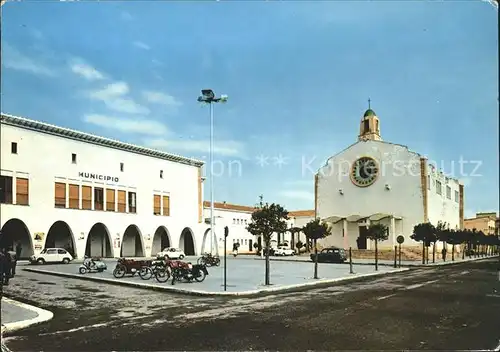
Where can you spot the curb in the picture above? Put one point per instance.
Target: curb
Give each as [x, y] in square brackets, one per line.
[260, 292]
[415, 265]
[43, 316]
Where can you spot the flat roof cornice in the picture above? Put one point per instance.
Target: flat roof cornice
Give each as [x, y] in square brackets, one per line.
[46, 128]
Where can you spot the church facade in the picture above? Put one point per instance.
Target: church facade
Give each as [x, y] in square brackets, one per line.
[373, 181]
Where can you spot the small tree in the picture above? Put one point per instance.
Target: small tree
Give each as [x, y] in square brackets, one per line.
[424, 233]
[315, 230]
[299, 246]
[293, 231]
[377, 232]
[442, 234]
[266, 220]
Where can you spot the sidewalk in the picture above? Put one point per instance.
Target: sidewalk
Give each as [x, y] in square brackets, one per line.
[382, 262]
[17, 315]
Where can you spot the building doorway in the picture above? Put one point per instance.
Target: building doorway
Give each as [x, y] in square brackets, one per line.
[99, 242]
[186, 242]
[361, 240]
[15, 232]
[250, 245]
[132, 243]
[161, 240]
[61, 236]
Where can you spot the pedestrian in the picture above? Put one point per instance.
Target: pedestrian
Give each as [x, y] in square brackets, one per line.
[235, 249]
[12, 258]
[5, 267]
[19, 250]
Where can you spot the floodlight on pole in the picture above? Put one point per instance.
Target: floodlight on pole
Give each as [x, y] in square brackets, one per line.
[208, 97]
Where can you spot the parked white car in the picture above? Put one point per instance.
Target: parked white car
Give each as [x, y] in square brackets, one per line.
[284, 251]
[52, 255]
[171, 253]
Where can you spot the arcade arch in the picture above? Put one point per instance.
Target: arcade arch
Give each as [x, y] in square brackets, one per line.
[132, 245]
[186, 241]
[205, 246]
[161, 240]
[14, 232]
[99, 242]
[61, 236]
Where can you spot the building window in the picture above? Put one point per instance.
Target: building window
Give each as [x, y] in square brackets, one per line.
[166, 206]
[22, 191]
[438, 188]
[122, 201]
[132, 205]
[13, 148]
[60, 195]
[98, 198]
[456, 196]
[73, 158]
[74, 197]
[234, 221]
[366, 126]
[448, 192]
[6, 189]
[161, 173]
[156, 204]
[86, 197]
[428, 181]
[110, 200]
[121, 167]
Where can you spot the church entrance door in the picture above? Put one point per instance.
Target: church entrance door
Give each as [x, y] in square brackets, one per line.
[361, 241]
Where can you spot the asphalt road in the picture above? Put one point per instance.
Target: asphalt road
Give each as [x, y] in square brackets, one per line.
[440, 308]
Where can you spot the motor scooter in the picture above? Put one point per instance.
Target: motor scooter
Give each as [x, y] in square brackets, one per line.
[92, 265]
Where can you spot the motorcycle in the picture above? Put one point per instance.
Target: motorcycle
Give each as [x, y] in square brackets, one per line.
[92, 264]
[187, 271]
[209, 260]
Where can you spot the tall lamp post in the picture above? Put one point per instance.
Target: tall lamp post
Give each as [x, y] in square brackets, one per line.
[208, 97]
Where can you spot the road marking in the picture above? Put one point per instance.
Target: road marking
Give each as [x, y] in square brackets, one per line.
[411, 287]
[384, 297]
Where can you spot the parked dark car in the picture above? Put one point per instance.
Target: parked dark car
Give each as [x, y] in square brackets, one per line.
[331, 255]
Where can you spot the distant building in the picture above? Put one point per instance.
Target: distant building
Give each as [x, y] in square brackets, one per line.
[486, 222]
[237, 217]
[373, 181]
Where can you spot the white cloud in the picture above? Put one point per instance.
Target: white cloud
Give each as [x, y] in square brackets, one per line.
[161, 98]
[226, 148]
[300, 195]
[15, 60]
[141, 45]
[86, 71]
[137, 125]
[114, 97]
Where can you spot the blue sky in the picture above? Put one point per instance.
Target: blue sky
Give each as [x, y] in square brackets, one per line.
[298, 76]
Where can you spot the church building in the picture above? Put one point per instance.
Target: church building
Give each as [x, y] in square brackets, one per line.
[374, 181]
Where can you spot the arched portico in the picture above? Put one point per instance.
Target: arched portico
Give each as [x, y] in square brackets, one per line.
[132, 245]
[205, 245]
[15, 232]
[61, 236]
[99, 242]
[161, 240]
[186, 241]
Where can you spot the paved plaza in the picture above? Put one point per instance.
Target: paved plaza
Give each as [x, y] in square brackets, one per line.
[243, 275]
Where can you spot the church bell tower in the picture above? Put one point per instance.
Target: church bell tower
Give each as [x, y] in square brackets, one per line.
[370, 126]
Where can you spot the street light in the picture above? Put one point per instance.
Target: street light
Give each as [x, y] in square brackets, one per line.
[208, 97]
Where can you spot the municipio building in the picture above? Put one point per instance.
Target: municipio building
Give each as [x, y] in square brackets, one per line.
[93, 195]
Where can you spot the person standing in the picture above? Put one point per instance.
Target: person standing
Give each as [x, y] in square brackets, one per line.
[11, 256]
[19, 250]
[5, 267]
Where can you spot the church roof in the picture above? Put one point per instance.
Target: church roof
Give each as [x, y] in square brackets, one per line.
[369, 112]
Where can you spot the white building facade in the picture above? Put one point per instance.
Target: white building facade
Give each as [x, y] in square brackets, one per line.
[381, 182]
[237, 218]
[95, 196]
